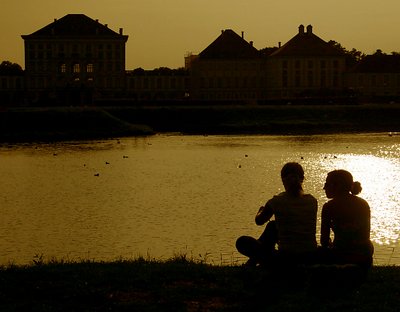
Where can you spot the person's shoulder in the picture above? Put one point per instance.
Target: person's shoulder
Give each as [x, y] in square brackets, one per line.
[360, 201]
[278, 197]
[310, 198]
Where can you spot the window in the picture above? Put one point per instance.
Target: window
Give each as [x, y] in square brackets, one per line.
[145, 83]
[335, 79]
[285, 79]
[323, 79]
[63, 68]
[89, 68]
[310, 78]
[361, 80]
[297, 79]
[373, 80]
[76, 68]
[385, 80]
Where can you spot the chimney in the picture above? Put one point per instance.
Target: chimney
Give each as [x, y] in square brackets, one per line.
[55, 20]
[301, 29]
[97, 20]
[251, 43]
[309, 29]
[222, 31]
[106, 25]
[121, 31]
[242, 34]
[279, 44]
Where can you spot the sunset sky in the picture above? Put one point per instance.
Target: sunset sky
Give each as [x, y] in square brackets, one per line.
[161, 32]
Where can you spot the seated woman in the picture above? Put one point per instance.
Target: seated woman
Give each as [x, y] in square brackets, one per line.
[348, 216]
[294, 227]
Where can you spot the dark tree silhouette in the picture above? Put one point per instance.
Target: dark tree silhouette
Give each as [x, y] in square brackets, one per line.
[9, 68]
[353, 56]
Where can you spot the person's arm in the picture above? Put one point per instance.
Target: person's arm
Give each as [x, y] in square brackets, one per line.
[325, 227]
[264, 214]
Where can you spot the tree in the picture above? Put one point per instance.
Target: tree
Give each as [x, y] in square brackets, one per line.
[268, 51]
[9, 68]
[352, 57]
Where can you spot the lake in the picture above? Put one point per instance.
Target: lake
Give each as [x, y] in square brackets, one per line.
[170, 195]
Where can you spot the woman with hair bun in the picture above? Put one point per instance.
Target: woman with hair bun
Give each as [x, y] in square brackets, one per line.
[348, 216]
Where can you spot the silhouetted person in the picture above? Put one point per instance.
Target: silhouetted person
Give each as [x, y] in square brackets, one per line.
[294, 227]
[348, 216]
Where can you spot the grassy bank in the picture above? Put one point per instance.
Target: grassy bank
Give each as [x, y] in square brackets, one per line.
[267, 119]
[66, 123]
[182, 285]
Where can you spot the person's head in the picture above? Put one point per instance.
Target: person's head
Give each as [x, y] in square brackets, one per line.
[339, 182]
[292, 175]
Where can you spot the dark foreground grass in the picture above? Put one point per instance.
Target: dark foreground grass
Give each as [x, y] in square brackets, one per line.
[182, 285]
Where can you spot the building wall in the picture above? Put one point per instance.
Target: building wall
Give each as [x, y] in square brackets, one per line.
[374, 84]
[95, 65]
[154, 85]
[228, 79]
[290, 77]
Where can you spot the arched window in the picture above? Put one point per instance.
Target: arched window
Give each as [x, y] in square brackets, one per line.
[76, 68]
[89, 68]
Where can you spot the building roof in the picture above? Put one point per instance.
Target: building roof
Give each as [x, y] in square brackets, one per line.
[306, 44]
[75, 25]
[229, 45]
[378, 63]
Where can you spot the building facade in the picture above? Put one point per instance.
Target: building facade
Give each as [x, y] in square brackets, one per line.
[376, 76]
[77, 60]
[229, 69]
[306, 66]
[74, 59]
[160, 84]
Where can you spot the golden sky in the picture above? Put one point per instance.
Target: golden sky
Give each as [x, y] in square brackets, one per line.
[161, 32]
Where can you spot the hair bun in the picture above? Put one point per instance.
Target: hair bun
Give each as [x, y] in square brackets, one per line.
[356, 188]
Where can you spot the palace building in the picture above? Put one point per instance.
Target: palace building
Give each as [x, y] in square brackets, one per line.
[306, 66]
[76, 60]
[76, 57]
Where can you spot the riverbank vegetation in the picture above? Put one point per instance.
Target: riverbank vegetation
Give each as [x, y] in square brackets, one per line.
[181, 284]
[79, 123]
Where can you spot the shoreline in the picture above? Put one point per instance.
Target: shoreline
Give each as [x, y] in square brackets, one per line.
[47, 124]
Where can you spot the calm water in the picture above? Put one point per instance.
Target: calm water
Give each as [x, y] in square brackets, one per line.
[170, 195]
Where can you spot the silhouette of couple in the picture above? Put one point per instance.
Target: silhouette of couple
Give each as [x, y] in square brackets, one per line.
[294, 229]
